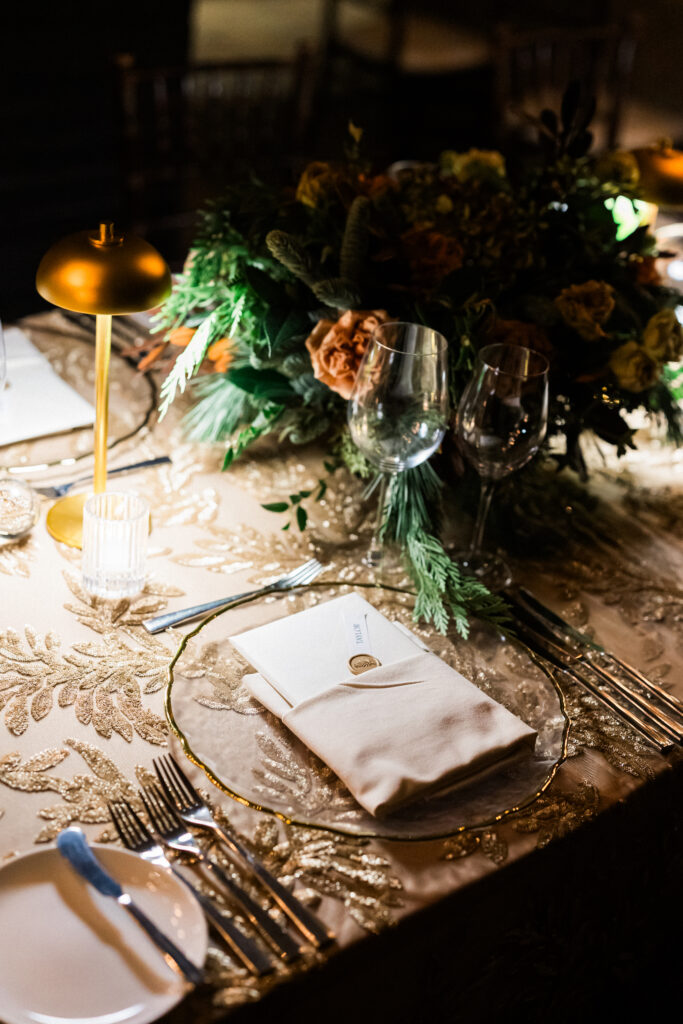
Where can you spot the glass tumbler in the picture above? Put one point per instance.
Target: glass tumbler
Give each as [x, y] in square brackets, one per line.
[115, 531]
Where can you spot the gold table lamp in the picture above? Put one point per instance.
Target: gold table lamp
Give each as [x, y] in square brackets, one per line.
[661, 174]
[104, 273]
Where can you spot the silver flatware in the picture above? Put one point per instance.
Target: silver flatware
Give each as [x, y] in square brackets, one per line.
[305, 573]
[194, 811]
[174, 834]
[135, 836]
[73, 846]
[556, 656]
[596, 652]
[59, 490]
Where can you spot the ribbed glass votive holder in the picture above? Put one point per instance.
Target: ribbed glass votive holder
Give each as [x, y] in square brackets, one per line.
[115, 531]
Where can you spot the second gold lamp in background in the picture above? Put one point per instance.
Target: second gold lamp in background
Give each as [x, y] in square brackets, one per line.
[105, 273]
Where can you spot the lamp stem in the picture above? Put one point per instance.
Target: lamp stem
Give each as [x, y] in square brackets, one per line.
[102, 352]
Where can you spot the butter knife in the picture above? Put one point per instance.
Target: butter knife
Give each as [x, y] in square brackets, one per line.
[73, 846]
[601, 662]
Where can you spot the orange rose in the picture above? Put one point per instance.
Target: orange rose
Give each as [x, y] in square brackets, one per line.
[586, 307]
[431, 255]
[517, 332]
[336, 348]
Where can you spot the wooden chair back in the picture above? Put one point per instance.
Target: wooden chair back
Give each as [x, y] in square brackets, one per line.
[534, 66]
[188, 131]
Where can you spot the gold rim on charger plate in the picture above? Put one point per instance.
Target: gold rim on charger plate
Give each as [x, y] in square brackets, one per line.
[73, 460]
[335, 829]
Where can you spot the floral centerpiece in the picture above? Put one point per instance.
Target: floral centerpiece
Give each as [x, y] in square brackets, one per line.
[283, 289]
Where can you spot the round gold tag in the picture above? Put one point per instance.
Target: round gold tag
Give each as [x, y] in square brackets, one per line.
[359, 663]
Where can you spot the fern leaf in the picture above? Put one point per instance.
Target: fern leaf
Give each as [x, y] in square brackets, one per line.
[187, 362]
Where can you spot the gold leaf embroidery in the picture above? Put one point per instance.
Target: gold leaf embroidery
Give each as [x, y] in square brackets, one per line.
[102, 681]
[103, 616]
[225, 677]
[16, 557]
[488, 842]
[84, 797]
[312, 786]
[555, 814]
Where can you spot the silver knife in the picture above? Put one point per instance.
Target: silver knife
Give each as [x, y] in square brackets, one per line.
[73, 846]
[555, 655]
[598, 659]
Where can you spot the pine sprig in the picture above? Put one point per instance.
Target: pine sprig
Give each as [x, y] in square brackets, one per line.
[291, 254]
[444, 593]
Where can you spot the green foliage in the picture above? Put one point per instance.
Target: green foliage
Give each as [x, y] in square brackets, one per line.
[262, 424]
[354, 460]
[443, 592]
[468, 246]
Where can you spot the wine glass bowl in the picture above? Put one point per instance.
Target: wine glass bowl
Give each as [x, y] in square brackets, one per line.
[398, 409]
[500, 424]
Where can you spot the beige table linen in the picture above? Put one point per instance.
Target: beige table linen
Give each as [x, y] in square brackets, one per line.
[82, 684]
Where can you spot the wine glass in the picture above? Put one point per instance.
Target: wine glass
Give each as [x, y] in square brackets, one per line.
[398, 409]
[500, 423]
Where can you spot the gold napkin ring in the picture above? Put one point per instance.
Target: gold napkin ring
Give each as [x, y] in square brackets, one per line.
[359, 663]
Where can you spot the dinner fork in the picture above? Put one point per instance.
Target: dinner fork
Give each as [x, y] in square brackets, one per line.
[194, 811]
[174, 833]
[136, 836]
[59, 490]
[305, 573]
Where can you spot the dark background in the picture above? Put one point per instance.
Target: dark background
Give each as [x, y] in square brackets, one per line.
[60, 121]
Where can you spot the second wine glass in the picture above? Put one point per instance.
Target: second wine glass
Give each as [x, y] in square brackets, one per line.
[501, 422]
[398, 409]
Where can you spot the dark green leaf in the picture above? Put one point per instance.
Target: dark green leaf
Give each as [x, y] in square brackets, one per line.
[272, 292]
[548, 119]
[276, 506]
[262, 383]
[301, 517]
[570, 104]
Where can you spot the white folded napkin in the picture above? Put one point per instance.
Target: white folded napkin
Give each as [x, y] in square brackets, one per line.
[37, 401]
[406, 727]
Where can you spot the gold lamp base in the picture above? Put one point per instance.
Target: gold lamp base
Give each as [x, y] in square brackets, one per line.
[65, 520]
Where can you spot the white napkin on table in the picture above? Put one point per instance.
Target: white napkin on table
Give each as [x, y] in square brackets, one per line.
[37, 401]
[407, 727]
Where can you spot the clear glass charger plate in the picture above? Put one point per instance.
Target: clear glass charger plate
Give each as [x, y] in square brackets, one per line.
[251, 756]
[132, 401]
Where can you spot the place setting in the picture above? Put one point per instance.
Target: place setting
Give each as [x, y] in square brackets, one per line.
[340, 550]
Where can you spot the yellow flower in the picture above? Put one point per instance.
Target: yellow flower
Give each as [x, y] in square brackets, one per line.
[317, 179]
[586, 307]
[475, 163]
[663, 336]
[620, 166]
[634, 367]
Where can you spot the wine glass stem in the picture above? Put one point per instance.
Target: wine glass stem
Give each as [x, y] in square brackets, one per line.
[377, 543]
[485, 495]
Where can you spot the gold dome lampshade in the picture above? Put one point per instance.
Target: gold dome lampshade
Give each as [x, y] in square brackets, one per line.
[104, 273]
[661, 175]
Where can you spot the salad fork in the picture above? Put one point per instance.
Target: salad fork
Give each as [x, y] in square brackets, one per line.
[135, 836]
[174, 834]
[194, 811]
[305, 573]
